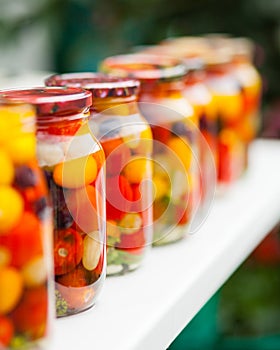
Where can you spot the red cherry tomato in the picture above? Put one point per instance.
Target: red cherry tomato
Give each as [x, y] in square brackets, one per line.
[75, 278]
[224, 165]
[32, 313]
[161, 133]
[133, 243]
[182, 215]
[119, 197]
[26, 234]
[68, 250]
[6, 331]
[99, 268]
[117, 156]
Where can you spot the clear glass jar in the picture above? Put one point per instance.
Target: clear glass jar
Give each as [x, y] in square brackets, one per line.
[227, 93]
[127, 142]
[241, 52]
[200, 97]
[251, 87]
[174, 127]
[26, 279]
[72, 160]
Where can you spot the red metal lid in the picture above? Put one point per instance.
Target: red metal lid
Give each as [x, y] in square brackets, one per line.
[51, 100]
[145, 66]
[99, 84]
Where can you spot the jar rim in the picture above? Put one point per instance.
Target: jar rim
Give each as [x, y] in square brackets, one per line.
[101, 85]
[50, 100]
[145, 66]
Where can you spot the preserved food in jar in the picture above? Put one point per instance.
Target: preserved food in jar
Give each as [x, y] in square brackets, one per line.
[26, 279]
[72, 160]
[227, 93]
[174, 127]
[127, 142]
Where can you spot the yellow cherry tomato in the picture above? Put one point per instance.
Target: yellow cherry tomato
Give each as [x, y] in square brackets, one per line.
[34, 272]
[75, 173]
[230, 107]
[22, 149]
[9, 120]
[11, 208]
[137, 169]
[161, 187]
[11, 287]
[182, 149]
[130, 223]
[7, 173]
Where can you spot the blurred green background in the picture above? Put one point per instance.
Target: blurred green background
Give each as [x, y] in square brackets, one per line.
[75, 35]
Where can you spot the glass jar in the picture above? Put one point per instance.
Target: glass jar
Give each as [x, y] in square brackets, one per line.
[72, 160]
[202, 101]
[200, 97]
[241, 51]
[251, 87]
[26, 280]
[174, 128]
[127, 141]
[227, 93]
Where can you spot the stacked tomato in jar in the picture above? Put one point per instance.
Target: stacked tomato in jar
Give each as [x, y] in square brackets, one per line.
[72, 161]
[235, 87]
[174, 127]
[127, 142]
[25, 233]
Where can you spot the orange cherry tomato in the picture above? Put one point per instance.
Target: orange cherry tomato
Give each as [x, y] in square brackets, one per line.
[6, 331]
[68, 250]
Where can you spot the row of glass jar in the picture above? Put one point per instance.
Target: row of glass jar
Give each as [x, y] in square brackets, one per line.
[162, 147]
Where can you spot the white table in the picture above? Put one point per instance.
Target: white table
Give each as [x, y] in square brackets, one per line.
[148, 308]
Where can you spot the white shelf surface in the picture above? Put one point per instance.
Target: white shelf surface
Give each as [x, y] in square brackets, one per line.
[148, 308]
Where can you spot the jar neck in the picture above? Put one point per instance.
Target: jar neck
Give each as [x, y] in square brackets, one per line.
[114, 105]
[219, 69]
[162, 88]
[240, 59]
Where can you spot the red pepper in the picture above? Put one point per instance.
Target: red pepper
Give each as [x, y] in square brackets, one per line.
[64, 128]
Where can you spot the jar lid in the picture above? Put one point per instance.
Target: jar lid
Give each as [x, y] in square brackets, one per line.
[51, 100]
[145, 66]
[99, 84]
